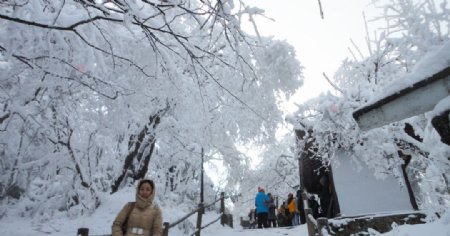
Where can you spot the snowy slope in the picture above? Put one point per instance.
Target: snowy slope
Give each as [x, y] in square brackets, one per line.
[99, 223]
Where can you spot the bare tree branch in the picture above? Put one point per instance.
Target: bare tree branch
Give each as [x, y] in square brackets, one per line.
[332, 84]
[320, 8]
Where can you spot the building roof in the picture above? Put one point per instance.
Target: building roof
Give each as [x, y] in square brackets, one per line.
[416, 99]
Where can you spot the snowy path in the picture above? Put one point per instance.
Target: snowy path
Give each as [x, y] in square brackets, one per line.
[100, 223]
[17, 226]
[218, 230]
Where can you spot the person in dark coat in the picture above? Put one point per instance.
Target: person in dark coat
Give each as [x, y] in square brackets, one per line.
[272, 217]
[314, 205]
[324, 196]
[284, 216]
[301, 207]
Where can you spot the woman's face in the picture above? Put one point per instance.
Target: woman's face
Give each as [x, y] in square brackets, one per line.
[145, 190]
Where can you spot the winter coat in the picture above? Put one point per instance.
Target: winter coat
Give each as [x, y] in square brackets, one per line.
[272, 215]
[291, 205]
[312, 203]
[145, 218]
[261, 201]
[299, 202]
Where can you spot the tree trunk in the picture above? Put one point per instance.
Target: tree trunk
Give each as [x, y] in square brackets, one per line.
[136, 149]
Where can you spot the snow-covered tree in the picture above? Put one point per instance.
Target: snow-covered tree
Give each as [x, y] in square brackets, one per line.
[413, 30]
[92, 91]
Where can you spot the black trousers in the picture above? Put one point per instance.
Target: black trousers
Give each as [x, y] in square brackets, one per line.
[324, 205]
[302, 217]
[262, 220]
[272, 223]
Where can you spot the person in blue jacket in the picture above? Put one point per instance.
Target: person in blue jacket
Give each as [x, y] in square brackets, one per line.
[261, 203]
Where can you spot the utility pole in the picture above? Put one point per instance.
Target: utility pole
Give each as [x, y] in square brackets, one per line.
[300, 142]
[201, 181]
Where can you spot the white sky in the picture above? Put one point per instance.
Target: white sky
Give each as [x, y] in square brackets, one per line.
[321, 44]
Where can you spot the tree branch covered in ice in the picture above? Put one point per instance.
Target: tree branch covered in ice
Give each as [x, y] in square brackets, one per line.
[96, 94]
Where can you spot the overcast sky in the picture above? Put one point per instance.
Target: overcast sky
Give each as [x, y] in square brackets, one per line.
[321, 44]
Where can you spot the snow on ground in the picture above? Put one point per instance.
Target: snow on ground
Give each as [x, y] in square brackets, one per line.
[440, 227]
[218, 230]
[100, 222]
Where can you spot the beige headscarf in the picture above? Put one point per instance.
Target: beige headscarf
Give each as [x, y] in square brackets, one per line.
[144, 202]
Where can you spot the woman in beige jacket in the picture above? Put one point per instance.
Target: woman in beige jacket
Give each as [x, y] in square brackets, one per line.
[144, 218]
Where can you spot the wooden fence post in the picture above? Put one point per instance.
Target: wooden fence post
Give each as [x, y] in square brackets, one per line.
[230, 220]
[83, 232]
[166, 229]
[222, 202]
[305, 200]
[199, 218]
[222, 208]
[309, 224]
[322, 222]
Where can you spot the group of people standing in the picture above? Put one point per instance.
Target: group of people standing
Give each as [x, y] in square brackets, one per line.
[290, 213]
[264, 213]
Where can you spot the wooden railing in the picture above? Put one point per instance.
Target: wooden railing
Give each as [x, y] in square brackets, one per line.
[225, 219]
[315, 227]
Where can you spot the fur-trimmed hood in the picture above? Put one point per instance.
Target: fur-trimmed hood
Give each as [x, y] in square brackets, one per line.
[142, 202]
[144, 215]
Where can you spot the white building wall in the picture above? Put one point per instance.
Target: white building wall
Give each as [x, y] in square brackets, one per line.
[359, 192]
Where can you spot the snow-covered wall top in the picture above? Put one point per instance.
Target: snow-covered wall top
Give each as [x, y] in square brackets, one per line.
[416, 93]
[432, 63]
